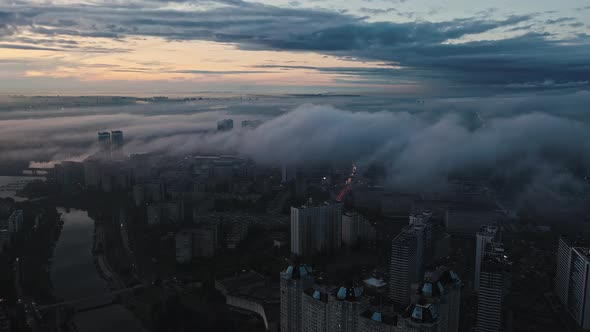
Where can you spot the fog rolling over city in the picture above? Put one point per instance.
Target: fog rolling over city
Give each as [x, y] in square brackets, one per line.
[294, 166]
[537, 143]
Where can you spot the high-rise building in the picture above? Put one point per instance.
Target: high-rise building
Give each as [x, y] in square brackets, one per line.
[293, 281]
[117, 143]
[563, 273]
[205, 240]
[198, 242]
[104, 145]
[92, 173]
[436, 303]
[572, 279]
[345, 305]
[15, 221]
[69, 174]
[288, 173]
[5, 239]
[316, 228]
[488, 233]
[356, 228]
[184, 246]
[578, 302]
[421, 224]
[404, 259]
[314, 309]
[420, 317]
[441, 247]
[494, 283]
[225, 125]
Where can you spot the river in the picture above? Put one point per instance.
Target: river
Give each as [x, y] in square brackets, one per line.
[73, 271]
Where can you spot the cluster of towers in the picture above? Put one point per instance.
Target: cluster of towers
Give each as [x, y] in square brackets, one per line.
[420, 298]
[308, 305]
[110, 145]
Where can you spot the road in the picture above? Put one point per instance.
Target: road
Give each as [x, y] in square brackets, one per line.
[347, 185]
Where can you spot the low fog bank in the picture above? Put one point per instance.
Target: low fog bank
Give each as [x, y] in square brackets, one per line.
[540, 143]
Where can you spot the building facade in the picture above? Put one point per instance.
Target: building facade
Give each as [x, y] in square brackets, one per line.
[345, 306]
[117, 143]
[104, 145]
[494, 283]
[316, 228]
[404, 259]
[572, 279]
[487, 234]
[356, 228]
[293, 281]
[15, 221]
[314, 310]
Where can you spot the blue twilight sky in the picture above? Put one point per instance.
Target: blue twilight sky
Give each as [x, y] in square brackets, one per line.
[393, 46]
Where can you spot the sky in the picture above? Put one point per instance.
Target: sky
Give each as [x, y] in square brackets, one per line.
[406, 47]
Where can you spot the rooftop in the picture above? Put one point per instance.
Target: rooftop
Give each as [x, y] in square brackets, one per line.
[420, 218]
[585, 251]
[317, 294]
[488, 229]
[349, 293]
[406, 236]
[311, 204]
[374, 282]
[380, 317]
[421, 313]
[296, 271]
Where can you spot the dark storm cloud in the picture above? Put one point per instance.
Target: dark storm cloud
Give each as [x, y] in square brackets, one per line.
[422, 47]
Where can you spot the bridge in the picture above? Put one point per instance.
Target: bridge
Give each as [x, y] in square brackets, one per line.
[104, 298]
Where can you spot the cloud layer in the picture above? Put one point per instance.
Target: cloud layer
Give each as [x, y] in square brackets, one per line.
[474, 53]
[540, 142]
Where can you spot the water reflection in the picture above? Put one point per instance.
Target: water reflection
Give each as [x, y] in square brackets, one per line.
[73, 271]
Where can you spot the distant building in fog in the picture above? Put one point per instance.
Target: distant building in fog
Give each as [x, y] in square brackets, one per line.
[69, 174]
[225, 125]
[288, 173]
[117, 143]
[104, 145]
[251, 124]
